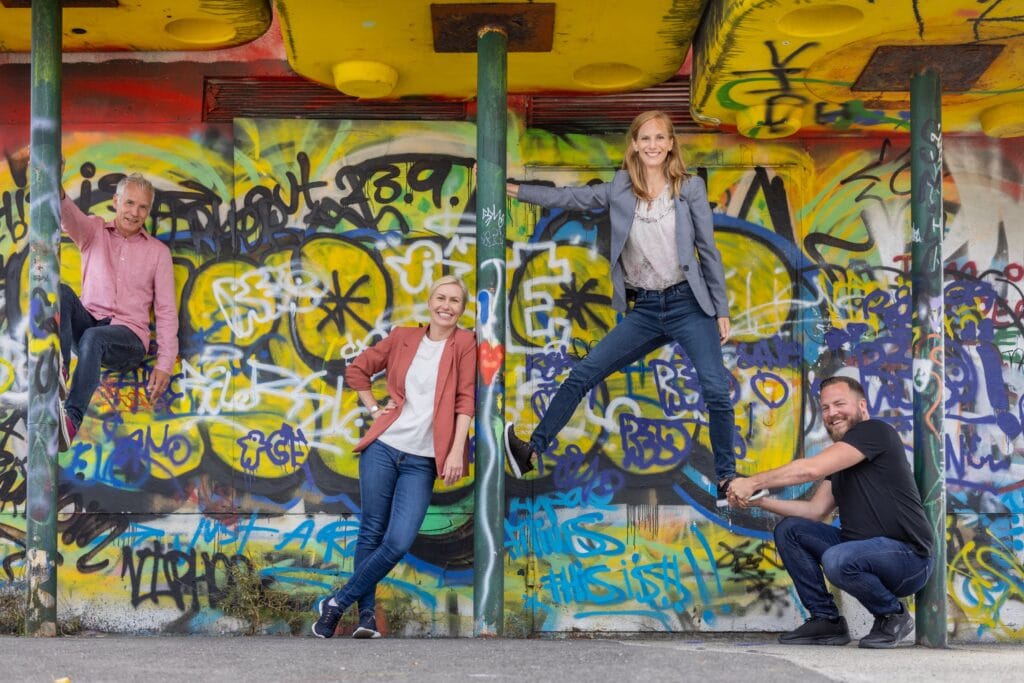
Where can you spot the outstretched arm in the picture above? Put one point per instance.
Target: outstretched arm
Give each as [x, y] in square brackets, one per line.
[838, 456]
[820, 506]
[580, 197]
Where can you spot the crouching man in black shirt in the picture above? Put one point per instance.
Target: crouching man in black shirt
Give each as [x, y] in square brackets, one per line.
[882, 549]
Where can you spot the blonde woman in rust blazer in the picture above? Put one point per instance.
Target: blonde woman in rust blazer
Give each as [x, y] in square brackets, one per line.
[422, 433]
[662, 251]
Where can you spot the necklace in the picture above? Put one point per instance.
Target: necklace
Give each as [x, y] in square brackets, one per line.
[654, 211]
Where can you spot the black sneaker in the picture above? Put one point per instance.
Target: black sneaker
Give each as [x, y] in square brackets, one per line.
[723, 492]
[330, 615]
[818, 631]
[367, 627]
[519, 453]
[889, 630]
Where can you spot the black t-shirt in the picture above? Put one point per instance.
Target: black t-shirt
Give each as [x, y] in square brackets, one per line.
[878, 497]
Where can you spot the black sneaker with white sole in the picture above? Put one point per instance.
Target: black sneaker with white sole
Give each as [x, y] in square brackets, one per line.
[367, 626]
[518, 453]
[722, 498]
[330, 615]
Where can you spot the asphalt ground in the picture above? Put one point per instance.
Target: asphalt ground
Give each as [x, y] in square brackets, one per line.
[744, 657]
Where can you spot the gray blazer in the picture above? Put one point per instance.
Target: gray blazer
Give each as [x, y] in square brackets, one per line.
[694, 233]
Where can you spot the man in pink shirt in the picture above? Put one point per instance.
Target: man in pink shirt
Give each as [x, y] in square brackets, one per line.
[126, 274]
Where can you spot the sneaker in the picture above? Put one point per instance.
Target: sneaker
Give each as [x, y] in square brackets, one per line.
[889, 630]
[62, 378]
[66, 429]
[330, 615]
[367, 627]
[818, 631]
[519, 453]
[722, 499]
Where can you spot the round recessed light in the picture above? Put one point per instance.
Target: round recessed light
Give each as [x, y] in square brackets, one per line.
[1003, 120]
[201, 31]
[365, 79]
[822, 20]
[607, 75]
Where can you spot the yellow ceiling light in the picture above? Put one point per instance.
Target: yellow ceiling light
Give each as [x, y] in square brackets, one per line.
[365, 79]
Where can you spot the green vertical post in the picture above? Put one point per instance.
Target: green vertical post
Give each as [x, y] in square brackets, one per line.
[489, 499]
[43, 341]
[926, 266]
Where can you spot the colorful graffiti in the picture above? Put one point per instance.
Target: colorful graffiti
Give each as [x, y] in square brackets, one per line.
[768, 70]
[297, 243]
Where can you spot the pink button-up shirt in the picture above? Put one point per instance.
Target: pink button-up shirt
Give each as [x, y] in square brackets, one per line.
[124, 278]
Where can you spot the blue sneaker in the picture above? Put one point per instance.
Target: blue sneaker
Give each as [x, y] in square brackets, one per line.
[367, 626]
[330, 615]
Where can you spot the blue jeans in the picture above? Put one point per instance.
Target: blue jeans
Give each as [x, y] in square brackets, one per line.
[395, 490]
[877, 571]
[96, 343]
[656, 318]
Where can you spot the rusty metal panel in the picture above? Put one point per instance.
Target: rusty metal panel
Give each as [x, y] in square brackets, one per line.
[958, 66]
[529, 28]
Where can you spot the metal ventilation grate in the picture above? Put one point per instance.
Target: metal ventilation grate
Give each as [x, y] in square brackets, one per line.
[612, 113]
[229, 98]
[225, 99]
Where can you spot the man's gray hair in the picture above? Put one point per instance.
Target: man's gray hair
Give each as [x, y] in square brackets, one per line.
[138, 180]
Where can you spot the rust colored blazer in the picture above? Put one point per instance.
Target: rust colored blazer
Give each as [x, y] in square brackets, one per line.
[454, 395]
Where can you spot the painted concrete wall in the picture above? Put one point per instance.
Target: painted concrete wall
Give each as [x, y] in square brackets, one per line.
[298, 243]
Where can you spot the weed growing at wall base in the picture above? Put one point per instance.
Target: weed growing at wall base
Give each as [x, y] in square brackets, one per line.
[252, 597]
[14, 607]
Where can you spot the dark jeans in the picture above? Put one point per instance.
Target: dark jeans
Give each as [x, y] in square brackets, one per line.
[395, 490]
[96, 343]
[877, 571]
[657, 317]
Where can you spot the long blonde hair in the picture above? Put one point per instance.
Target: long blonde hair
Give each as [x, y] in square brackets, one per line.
[673, 166]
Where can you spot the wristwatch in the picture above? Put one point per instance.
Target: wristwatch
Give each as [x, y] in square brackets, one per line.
[374, 409]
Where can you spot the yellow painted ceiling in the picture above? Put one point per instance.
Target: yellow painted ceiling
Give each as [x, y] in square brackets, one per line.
[377, 48]
[771, 69]
[144, 25]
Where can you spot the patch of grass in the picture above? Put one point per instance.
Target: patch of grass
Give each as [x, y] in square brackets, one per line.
[13, 606]
[400, 612]
[14, 612]
[255, 599]
[70, 626]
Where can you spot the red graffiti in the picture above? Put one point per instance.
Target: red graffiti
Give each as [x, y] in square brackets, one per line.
[490, 357]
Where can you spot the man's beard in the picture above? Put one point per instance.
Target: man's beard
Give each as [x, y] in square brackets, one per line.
[851, 422]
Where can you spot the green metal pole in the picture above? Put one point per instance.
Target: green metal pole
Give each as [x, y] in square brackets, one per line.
[926, 264]
[43, 341]
[489, 498]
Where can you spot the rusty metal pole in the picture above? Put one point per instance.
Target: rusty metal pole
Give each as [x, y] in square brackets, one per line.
[43, 341]
[926, 268]
[489, 499]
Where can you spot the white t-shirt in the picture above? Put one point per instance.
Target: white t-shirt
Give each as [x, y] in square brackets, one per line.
[413, 431]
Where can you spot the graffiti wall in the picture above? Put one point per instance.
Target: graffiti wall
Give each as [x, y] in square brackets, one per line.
[297, 244]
